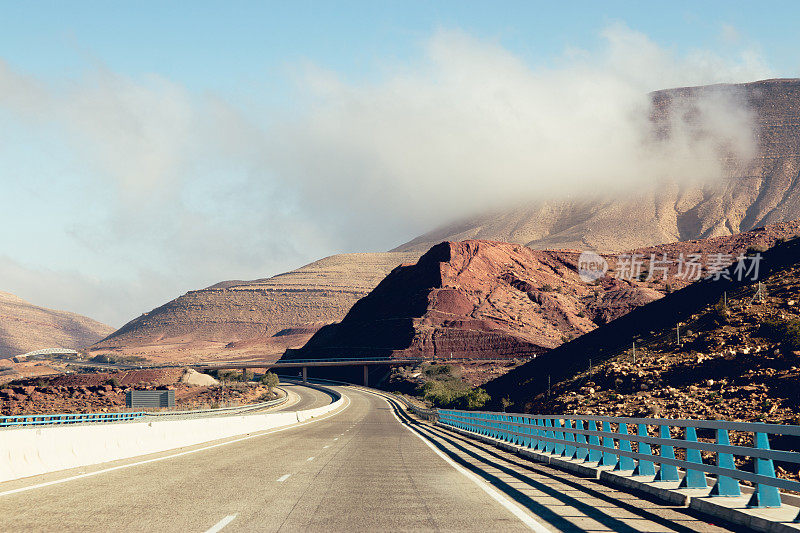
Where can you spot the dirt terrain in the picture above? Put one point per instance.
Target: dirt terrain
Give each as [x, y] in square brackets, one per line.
[242, 319]
[105, 392]
[755, 192]
[25, 327]
[484, 299]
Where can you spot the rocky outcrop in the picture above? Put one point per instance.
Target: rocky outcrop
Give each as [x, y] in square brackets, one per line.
[25, 327]
[473, 299]
[762, 190]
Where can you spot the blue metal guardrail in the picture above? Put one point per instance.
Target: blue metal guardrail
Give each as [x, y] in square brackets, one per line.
[84, 418]
[590, 439]
[76, 418]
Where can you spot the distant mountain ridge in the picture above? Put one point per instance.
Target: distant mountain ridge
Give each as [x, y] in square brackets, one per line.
[25, 327]
[259, 317]
[764, 191]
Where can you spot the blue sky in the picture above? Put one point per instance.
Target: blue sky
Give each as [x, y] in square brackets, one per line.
[149, 148]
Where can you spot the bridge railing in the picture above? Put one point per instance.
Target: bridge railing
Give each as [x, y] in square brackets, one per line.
[67, 418]
[98, 418]
[639, 445]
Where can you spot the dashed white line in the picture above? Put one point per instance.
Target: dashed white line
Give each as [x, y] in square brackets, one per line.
[326, 446]
[310, 458]
[335, 438]
[221, 524]
[283, 478]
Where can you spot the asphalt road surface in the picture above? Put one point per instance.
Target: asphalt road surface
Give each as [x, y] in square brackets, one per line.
[360, 469]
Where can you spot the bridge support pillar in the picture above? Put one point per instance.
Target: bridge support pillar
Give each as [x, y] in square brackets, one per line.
[305, 374]
[366, 376]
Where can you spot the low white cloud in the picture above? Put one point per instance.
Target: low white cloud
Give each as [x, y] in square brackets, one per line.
[471, 126]
[203, 191]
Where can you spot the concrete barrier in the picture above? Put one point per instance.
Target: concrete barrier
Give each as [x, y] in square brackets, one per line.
[32, 451]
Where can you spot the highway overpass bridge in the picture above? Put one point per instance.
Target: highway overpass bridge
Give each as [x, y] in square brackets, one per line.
[304, 364]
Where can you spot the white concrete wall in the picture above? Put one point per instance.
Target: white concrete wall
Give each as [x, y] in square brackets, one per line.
[31, 451]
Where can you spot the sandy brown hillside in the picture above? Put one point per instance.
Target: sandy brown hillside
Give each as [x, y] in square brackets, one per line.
[765, 190]
[246, 318]
[729, 334]
[25, 327]
[488, 299]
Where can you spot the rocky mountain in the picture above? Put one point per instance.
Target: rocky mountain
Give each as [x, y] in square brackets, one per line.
[487, 299]
[234, 319]
[25, 327]
[764, 189]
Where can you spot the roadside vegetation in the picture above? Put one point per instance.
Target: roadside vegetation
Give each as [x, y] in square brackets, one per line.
[443, 387]
[114, 359]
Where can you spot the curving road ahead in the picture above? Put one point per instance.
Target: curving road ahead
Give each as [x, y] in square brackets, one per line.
[361, 469]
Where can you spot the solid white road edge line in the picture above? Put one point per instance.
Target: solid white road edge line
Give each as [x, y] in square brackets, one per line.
[283, 478]
[179, 454]
[497, 496]
[222, 523]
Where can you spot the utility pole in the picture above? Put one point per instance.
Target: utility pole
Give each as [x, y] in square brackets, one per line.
[633, 351]
[678, 329]
[548, 385]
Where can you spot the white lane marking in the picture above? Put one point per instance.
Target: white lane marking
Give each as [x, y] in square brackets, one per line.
[497, 496]
[221, 524]
[283, 478]
[335, 438]
[310, 458]
[179, 454]
[326, 446]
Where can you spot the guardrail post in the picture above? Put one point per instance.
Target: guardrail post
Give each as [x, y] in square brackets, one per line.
[694, 479]
[580, 438]
[624, 463]
[667, 472]
[560, 446]
[539, 434]
[526, 429]
[725, 486]
[569, 450]
[764, 495]
[608, 458]
[594, 454]
[549, 446]
[644, 468]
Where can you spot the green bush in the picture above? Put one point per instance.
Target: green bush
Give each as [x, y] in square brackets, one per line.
[271, 380]
[438, 371]
[115, 359]
[453, 394]
[787, 332]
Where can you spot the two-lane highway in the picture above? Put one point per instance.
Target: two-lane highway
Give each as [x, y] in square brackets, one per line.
[360, 469]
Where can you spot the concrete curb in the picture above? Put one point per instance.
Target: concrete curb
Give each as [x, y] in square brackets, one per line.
[731, 510]
[31, 451]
